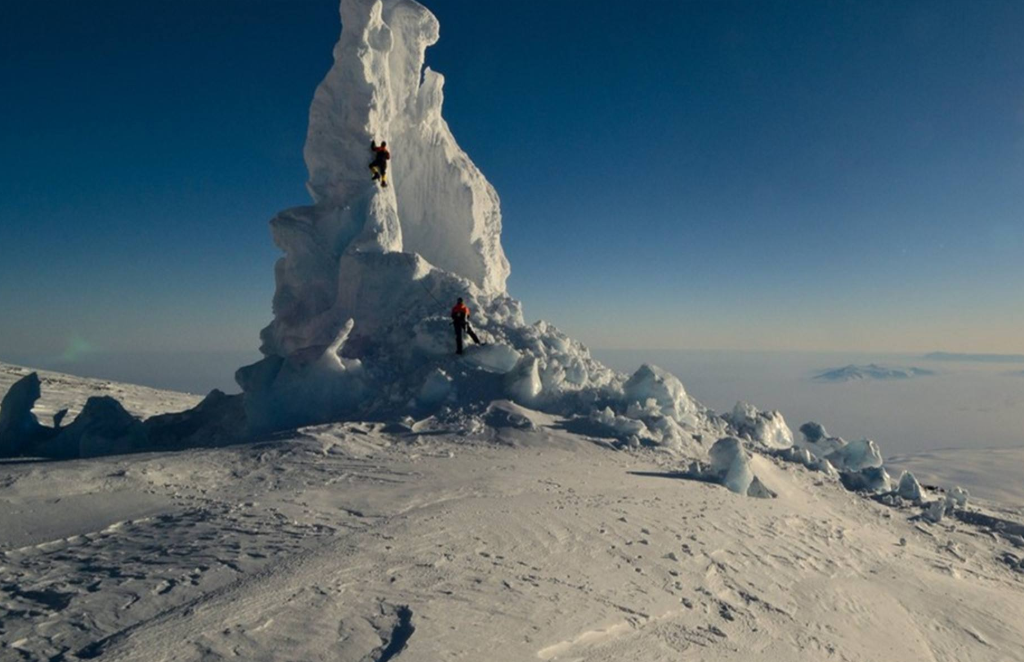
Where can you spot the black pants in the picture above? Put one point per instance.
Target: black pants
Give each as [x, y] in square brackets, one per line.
[459, 328]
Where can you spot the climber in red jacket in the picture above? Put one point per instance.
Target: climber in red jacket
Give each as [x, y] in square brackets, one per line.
[379, 166]
[460, 320]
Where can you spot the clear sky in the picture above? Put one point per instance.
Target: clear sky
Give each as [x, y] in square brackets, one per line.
[827, 174]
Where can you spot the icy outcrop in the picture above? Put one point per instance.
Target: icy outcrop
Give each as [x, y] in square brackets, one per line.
[730, 466]
[856, 456]
[909, 488]
[494, 358]
[730, 462]
[361, 326]
[216, 421]
[955, 499]
[102, 428]
[875, 480]
[284, 393]
[765, 427]
[440, 205]
[368, 253]
[806, 458]
[522, 383]
[817, 440]
[19, 427]
[670, 398]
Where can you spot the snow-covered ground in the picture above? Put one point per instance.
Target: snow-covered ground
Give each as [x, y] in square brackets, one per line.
[345, 542]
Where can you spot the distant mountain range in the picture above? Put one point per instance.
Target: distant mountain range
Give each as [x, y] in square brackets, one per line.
[870, 371]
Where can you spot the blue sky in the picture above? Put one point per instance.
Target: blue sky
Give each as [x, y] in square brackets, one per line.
[760, 175]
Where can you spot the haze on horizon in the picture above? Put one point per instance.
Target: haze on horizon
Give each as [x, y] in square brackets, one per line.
[756, 175]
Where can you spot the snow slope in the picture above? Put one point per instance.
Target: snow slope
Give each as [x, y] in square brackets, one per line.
[345, 542]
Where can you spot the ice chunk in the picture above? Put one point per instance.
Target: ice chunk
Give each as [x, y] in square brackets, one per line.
[813, 432]
[909, 488]
[622, 426]
[825, 467]
[497, 358]
[652, 383]
[730, 465]
[871, 479]
[286, 393]
[957, 497]
[102, 428]
[522, 383]
[758, 490]
[817, 440]
[806, 458]
[768, 428]
[935, 511]
[19, 427]
[856, 455]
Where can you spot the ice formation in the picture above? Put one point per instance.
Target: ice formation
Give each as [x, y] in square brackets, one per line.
[730, 465]
[909, 488]
[856, 456]
[19, 427]
[360, 324]
[817, 440]
[104, 427]
[765, 427]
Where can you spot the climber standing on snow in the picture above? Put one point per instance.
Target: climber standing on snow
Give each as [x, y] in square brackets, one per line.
[460, 319]
[379, 167]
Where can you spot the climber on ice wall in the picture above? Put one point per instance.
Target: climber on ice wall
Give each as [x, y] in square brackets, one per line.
[460, 320]
[379, 166]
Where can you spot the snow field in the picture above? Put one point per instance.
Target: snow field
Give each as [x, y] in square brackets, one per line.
[528, 542]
